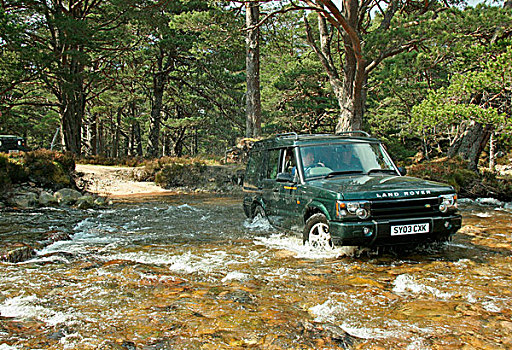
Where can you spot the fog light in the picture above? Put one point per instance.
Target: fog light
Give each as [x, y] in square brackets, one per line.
[447, 224]
[367, 231]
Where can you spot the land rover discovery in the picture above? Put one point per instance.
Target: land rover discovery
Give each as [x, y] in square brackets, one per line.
[344, 189]
[12, 144]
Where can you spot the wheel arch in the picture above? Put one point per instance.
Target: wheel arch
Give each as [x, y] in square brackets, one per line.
[315, 208]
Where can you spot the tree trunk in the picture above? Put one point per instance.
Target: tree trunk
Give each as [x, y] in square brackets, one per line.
[101, 140]
[492, 152]
[471, 143]
[253, 98]
[117, 132]
[156, 117]
[348, 90]
[72, 109]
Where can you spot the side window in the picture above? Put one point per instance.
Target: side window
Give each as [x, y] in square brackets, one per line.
[273, 163]
[254, 166]
[289, 162]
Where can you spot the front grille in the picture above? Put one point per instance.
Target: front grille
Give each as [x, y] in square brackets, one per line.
[410, 207]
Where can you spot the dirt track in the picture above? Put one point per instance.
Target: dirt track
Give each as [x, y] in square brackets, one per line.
[115, 181]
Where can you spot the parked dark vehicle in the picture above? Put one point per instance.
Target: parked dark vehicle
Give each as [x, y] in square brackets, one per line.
[344, 189]
[12, 144]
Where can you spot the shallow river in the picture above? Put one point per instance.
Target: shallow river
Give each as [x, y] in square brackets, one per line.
[193, 273]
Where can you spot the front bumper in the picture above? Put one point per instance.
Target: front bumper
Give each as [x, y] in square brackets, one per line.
[378, 232]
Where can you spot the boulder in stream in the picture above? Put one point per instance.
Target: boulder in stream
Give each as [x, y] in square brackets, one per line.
[16, 252]
[47, 199]
[85, 202]
[24, 200]
[67, 196]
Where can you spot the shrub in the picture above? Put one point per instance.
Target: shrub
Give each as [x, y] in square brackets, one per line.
[467, 183]
[180, 175]
[11, 172]
[50, 169]
[102, 160]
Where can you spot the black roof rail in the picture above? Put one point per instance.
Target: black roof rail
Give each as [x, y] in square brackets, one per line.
[364, 133]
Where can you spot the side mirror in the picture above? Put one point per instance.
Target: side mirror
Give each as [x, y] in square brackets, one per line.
[402, 170]
[284, 177]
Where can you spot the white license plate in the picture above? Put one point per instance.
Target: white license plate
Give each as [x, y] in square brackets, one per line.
[409, 229]
[14, 151]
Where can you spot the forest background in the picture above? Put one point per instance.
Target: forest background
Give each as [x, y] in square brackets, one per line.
[142, 78]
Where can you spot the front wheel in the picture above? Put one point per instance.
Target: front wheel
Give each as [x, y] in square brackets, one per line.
[259, 212]
[316, 233]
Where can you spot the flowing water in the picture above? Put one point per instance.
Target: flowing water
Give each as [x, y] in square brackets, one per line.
[193, 273]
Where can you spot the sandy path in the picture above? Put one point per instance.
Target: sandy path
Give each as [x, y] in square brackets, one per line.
[115, 181]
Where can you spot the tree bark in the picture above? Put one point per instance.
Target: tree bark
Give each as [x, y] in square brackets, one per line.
[470, 145]
[348, 90]
[153, 150]
[72, 108]
[117, 132]
[253, 98]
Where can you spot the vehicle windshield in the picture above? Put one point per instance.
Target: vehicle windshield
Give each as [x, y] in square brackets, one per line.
[345, 159]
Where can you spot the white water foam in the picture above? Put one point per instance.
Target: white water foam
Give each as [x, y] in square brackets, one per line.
[235, 276]
[258, 223]
[8, 347]
[405, 283]
[187, 263]
[330, 312]
[489, 201]
[299, 250]
[26, 307]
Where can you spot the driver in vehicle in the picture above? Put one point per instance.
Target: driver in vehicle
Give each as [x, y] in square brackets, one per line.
[309, 162]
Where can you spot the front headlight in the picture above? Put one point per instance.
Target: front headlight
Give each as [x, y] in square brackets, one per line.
[448, 202]
[349, 209]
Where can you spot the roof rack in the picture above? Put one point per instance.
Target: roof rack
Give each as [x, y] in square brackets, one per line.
[364, 133]
[308, 136]
[287, 134]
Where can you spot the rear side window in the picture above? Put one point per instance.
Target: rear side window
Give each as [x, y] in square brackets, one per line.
[253, 173]
[273, 163]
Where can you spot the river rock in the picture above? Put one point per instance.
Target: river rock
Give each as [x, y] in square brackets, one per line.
[47, 199]
[100, 201]
[67, 196]
[16, 253]
[85, 202]
[24, 200]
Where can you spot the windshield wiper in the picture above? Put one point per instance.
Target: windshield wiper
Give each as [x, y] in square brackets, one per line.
[344, 172]
[378, 170]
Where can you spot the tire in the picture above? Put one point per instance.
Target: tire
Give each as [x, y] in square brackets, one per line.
[316, 233]
[258, 211]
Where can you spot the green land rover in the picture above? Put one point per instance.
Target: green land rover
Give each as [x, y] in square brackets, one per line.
[344, 189]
